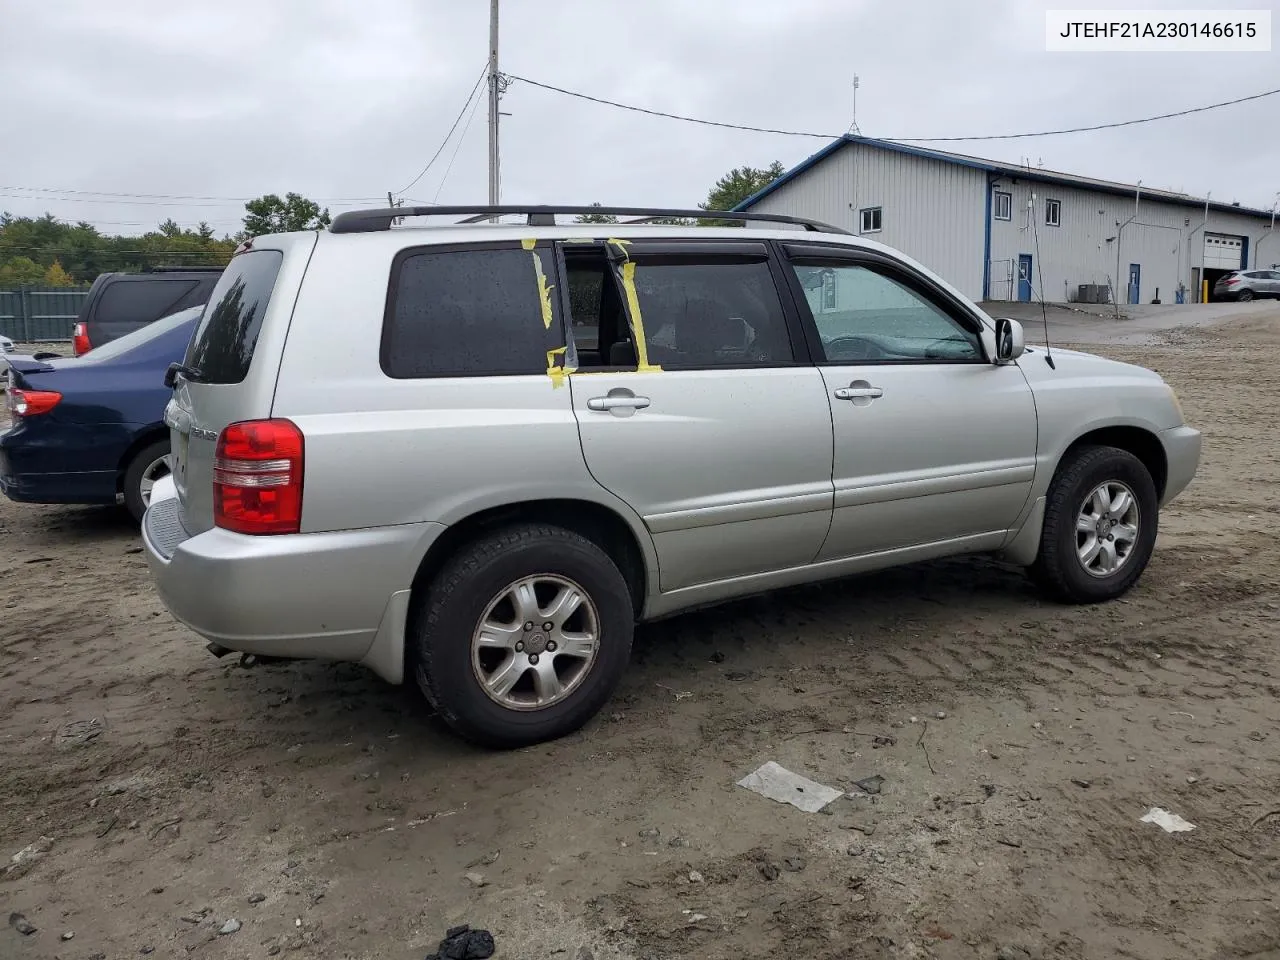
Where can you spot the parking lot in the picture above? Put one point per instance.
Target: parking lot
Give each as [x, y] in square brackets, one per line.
[1019, 741]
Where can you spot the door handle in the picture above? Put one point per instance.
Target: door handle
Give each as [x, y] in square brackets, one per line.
[617, 403]
[858, 393]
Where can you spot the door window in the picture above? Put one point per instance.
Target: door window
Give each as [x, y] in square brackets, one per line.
[864, 315]
[702, 315]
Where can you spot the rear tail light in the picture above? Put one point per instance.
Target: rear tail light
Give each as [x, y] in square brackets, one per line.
[257, 477]
[1230, 280]
[29, 403]
[80, 339]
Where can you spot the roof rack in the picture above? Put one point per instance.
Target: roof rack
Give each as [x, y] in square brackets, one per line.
[370, 221]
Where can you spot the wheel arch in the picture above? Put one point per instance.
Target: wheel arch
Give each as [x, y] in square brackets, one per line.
[1141, 442]
[153, 433]
[601, 524]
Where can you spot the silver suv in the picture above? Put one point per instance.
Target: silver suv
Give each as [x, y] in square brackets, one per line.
[529, 437]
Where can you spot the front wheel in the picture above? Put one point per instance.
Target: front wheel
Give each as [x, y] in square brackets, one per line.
[523, 636]
[148, 465]
[1100, 524]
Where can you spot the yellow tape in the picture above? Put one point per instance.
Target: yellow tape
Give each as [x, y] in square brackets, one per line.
[637, 322]
[557, 373]
[544, 288]
[621, 245]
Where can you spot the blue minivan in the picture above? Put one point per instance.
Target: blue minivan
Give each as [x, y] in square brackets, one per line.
[90, 429]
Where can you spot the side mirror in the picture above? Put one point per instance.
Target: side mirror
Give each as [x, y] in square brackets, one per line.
[1010, 340]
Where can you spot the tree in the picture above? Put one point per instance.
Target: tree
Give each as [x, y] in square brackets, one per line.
[20, 272]
[738, 184]
[81, 252]
[270, 214]
[596, 217]
[55, 276]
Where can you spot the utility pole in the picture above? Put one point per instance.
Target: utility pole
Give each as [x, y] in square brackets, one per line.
[493, 102]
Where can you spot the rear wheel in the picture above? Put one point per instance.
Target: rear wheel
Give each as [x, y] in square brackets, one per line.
[150, 464]
[523, 636]
[1100, 526]
[1245, 295]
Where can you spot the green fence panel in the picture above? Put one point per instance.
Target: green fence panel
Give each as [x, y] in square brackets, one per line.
[30, 314]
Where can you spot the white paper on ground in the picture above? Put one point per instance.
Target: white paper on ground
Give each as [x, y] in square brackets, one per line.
[778, 783]
[1168, 822]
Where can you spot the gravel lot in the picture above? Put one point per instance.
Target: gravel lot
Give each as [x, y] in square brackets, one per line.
[1019, 743]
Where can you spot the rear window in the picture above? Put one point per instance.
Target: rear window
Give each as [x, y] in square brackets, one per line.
[222, 347]
[464, 313]
[142, 301]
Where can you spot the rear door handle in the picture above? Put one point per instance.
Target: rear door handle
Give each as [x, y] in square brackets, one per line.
[617, 403]
[858, 393]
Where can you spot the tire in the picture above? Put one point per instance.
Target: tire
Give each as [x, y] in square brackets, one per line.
[449, 670]
[147, 466]
[1059, 568]
[1244, 296]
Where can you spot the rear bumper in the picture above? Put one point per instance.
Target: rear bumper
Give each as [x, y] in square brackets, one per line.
[56, 462]
[20, 483]
[1182, 454]
[321, 596]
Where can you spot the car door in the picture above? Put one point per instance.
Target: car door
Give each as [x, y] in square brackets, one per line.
[934, 444]
[702, 409]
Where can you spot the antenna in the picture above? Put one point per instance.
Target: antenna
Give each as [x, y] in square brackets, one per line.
[1044, 311]
[853, 124]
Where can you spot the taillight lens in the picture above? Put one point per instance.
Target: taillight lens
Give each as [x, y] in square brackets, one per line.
[30, 403]
[80, 339]
[1230, 280]
[257, 477]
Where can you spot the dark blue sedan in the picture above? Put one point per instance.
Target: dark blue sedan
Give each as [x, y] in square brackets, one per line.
[90, 429]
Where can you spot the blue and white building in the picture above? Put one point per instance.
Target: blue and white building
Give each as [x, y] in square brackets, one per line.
[1004, 232]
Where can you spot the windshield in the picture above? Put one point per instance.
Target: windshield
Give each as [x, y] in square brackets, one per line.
[142, 335]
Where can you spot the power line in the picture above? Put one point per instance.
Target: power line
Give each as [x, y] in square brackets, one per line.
[836, 136]
[456, 147]
[443, 143]
[169, 196]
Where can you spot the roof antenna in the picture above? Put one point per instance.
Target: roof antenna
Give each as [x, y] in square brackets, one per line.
[853, 124]
[1044, 311]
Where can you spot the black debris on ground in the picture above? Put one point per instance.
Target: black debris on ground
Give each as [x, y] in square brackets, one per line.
[21, 924]
[463, 943]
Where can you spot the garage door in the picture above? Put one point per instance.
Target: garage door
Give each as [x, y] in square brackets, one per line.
[1223, 252]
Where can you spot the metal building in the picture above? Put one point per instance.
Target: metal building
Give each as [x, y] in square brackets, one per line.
[1003, 232]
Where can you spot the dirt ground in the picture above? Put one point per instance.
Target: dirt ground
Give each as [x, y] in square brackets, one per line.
[1020, 742]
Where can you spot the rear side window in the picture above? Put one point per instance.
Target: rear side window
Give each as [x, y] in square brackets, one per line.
[222, 347]
[142, 301]
[464, 313]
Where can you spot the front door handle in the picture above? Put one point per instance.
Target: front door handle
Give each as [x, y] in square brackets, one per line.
[617, 402]
[859, 393]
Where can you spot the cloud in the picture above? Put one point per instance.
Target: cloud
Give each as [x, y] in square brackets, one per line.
[341, 100]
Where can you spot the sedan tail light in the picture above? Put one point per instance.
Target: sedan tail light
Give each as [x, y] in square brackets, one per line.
[80, 339]
[257, 477]
[30, 403]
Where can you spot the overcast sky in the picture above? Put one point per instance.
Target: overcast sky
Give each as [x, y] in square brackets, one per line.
[343, 99]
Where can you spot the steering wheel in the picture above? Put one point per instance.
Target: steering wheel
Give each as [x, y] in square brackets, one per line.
[853, 349]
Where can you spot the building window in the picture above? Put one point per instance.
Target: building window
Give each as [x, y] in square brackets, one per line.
[1053, 213]
[871, 220]
[1003, 206]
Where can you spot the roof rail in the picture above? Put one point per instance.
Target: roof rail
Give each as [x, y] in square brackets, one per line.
[191, 269]
[370, 221]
